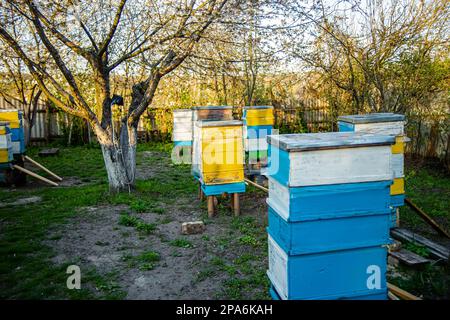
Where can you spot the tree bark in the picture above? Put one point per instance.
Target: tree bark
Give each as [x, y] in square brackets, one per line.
[116, 168]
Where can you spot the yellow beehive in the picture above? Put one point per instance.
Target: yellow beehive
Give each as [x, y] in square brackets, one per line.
[221, 151]
[398, 187]
[399, 146]
[4, 128]
[258, 116]
[11, 116]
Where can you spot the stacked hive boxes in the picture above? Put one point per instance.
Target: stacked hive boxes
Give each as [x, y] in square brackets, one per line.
[15, 119]
[182, 134]
[208, 113]
[386, 124]
[258, 123]
[219, 150]
[329, 215]
[6, 154]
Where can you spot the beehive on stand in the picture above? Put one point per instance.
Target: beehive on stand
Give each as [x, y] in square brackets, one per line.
[329, 215]
[386, 124]
[182, 135]
[219, 159]
[258, 124]
[6, 154]
[15, 119]
[211, 113]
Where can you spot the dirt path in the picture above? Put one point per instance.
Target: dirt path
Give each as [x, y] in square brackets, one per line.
[227, 261]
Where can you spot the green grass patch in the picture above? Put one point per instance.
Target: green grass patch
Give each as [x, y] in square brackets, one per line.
[181, 243]
[137, 223]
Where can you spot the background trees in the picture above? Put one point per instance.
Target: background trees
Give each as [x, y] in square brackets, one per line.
[346, 56]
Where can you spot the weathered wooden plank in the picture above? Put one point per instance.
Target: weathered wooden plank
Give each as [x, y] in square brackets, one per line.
[402, 294]
[409, 258]
[427, 218]
[48, 152]
[436, 250]
[328, 140]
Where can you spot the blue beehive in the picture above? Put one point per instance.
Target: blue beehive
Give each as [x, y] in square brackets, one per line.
[15, 119]
[329, 214]
[258, 123]
[322, 235]
[386, 124]
[332, 275]
[329, 201]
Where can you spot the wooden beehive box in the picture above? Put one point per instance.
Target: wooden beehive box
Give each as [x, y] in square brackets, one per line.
[386, 124]
[182, 125]
[6, 154]
[379, 123]
[218, 152]
[213, 113]
[327, 276]
[329, 158]
[258, 116]
[15, 119]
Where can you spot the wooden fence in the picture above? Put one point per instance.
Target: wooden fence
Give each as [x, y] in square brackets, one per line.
[47, 124]
[430, 137]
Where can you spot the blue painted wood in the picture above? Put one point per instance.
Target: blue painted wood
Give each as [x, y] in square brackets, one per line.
[377, 296]
[330, 201]
[324, 235]
[332, 275]
[273, 293]
[182, 143]
[327, 140]
[372, 117]
[17, 134]
[256, 132]
[218, 189]
[398, 200]
[278, 164]
[345, 126]
[393, 218]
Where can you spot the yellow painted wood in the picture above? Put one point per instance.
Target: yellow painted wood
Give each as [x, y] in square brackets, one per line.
[222, 155]
[259, 113]
[268, 121]
[399, 146]
[221, 177]
[222, 145]
[10, 115]
[398, 187]
[219, 133]
[4, 155]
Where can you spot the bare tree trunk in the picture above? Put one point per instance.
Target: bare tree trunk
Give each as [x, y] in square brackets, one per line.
[119, 155]
[116, 168]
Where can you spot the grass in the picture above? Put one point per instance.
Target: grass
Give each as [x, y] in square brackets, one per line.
[181, 243]
[27, 270]
[137, 223]
[429, 189]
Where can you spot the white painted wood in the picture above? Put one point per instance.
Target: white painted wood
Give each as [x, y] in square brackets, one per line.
[196, 151]
[182, 126]
[397, 165]
[182, 136]
[278, 271]
[278, 198]
[256, 144]
[5, 141]
[385, 128]
[344, 165]
[182, 113]
[16, 147]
